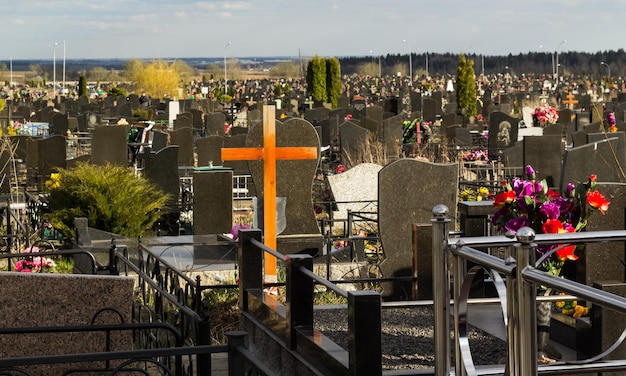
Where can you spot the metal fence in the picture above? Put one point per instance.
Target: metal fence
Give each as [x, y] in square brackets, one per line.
[516, 278]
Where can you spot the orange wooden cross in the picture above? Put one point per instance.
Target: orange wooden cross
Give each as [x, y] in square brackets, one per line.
[570, 101]
[269, 154]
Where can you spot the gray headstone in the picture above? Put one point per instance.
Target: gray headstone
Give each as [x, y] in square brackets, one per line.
[183, 137]
[126, 110]
[316, 115]
[502, 131]
[565, 116]
[238, 141]
[354, 142]
[294, 181]
[60, 123]
[209, 150]
[433, 184]
[108, 145]
[371, 125]
[215, 123]
[429, 109]
[416, 101]
[212, 202]
[513, 157]
[161, 168]
[183, 122]
[159, 140]
[392, 136]
[554, 130]
[462, 136]
[594, 158]
[51, 154]
[375, 113]
[545, 154]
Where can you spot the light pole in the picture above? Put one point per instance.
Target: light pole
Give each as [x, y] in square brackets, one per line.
[11, 67]
[54, 70]
[63, 90]
[426, 53]
[410, 62]
[225, 77]
[556, 60]
[608, 67]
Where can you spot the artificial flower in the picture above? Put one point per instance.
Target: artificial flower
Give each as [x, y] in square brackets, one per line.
[529, 202]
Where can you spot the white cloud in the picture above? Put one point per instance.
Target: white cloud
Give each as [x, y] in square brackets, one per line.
[236, 5]
[181, 14]
[225, 14]
[18, 21]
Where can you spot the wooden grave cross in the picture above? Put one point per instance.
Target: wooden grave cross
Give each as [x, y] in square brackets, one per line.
[269, 154]
[570, 102]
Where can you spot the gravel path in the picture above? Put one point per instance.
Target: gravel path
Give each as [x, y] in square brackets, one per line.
[407, 337]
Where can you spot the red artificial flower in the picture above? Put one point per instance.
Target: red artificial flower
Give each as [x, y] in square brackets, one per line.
[552, 194]
[593, 178]
[597, 200]
[504, 198]
[554, 226]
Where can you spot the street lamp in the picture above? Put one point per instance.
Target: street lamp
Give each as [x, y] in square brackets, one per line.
[556, 61]
[54, 70]
[410, 62]
[608, 67]
[225, 77]
[63, 90]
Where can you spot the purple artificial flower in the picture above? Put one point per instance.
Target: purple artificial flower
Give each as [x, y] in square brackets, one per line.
[516, 223]
[538, 186]
[530, 172]
[550, 210]
[522, 187]
[570, 190]
[235, 230]
[610, 119]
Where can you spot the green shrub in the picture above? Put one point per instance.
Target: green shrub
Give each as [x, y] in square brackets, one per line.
[111, 197]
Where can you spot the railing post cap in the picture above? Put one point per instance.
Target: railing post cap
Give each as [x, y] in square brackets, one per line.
[525, 235]
[440, 211]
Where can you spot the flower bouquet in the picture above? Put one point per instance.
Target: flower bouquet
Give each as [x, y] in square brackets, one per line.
[545, 115]
[528, 202]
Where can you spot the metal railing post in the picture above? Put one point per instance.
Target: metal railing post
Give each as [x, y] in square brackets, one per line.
[458, 276]
[299, 296]
[250, 260]
[236, 361]
[526, 307]
[364, 333]
[441, 289]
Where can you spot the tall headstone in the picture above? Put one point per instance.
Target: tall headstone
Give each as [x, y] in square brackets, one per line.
[51, 154]
[423, 185]
[595, 158]
[209, 150]
[545, 154]
[215, 123]
[108, 145]
[161, 168]
[502, 131]
[354, 142]
[294, 182]
[212, 201]
[429, 109]
[183, 137]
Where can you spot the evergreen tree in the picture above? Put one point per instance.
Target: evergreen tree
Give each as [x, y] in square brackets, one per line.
[466, 86]
[316, 78]
[333, 81]
[82, 86]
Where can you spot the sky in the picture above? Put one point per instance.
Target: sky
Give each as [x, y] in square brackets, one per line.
[153, 29]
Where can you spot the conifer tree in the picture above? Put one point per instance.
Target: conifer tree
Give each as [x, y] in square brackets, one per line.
[333, 81]
[466, 86]
[316, 78]
[82, 86]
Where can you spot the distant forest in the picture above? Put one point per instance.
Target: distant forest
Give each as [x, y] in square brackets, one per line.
[578, 64]
[571, 63]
